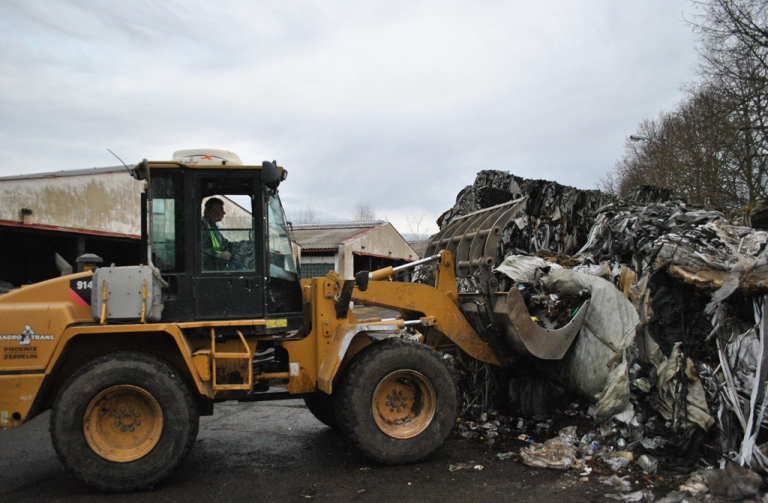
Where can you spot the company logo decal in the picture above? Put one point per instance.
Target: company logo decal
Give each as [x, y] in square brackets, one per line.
[26, 337]
[24, 351]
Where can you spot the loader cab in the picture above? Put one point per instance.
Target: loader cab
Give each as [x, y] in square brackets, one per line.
[257, 280]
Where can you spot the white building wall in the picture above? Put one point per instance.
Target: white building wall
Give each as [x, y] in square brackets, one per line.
[105, 202]
[384, 241]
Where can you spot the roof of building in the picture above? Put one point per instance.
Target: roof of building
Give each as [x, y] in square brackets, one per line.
[330, 236]
[71, 172]
[420, 246]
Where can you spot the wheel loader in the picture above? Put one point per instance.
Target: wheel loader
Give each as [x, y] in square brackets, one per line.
[128, 358]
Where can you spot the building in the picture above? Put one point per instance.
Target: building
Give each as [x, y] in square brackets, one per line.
[350, 247]
[68, 213]
[71, 213]
[98, 211]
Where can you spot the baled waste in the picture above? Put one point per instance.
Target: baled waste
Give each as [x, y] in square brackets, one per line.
[672, 352]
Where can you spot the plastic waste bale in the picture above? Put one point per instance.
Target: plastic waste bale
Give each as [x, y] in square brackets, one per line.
[597, 364]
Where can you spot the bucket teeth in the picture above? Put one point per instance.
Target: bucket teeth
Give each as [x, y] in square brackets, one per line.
[474, 238]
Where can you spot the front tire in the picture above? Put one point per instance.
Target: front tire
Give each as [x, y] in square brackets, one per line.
[123, 422]
[398, 401]
[323, 407]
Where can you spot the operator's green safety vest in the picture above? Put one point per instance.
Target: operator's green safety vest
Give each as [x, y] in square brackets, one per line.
[214, 240]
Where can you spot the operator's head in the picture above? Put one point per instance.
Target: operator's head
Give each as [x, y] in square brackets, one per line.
[214, 209]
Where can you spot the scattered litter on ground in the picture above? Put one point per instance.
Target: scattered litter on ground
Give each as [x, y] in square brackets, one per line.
[634, 496]
[620, 483]
[558, 452]
[465, 466]
[648, 463]
[673, 497]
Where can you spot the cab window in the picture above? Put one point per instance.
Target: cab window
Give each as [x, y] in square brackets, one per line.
[167, 230]
[226, 233]
[281, 262]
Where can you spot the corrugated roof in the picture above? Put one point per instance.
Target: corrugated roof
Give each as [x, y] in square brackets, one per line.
[329, 236]
[420, 247]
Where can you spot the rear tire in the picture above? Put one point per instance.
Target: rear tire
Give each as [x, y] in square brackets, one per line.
[323, 407]
[123, 422]
[398, 401]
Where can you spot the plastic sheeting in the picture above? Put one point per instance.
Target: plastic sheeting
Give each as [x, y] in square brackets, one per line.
[524, 268]
[667, 388]
[605, 337]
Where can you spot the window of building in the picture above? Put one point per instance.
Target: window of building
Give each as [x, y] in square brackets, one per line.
[315, 270]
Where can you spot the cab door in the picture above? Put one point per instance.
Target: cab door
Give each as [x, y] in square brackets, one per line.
[233, 289]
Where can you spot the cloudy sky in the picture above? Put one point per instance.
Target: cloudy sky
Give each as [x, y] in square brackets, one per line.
[394, 103]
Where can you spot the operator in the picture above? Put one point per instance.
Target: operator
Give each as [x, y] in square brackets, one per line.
[217, 251]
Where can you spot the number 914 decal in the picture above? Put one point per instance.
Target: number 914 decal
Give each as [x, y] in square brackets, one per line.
[80, 291]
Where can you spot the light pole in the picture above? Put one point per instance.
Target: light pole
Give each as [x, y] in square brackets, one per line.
[635, 137]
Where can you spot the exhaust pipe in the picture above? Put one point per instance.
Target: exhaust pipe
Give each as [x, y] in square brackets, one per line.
[62, 265]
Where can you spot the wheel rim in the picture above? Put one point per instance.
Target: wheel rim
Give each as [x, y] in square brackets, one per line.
[123, 423]
[404, 404]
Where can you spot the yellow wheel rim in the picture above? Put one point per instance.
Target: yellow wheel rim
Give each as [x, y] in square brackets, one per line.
[404, 404]
[123, 423]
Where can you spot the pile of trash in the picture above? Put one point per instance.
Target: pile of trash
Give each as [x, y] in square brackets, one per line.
[672, 355]
[555, 218]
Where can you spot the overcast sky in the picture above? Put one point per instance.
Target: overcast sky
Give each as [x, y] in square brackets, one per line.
[395, 103]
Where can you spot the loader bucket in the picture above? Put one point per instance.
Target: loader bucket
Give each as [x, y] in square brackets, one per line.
[501, 318]
[510, 331]
[474, 238]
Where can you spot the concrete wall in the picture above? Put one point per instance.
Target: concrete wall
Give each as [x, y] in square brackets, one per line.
[383, 241]
[99, 201]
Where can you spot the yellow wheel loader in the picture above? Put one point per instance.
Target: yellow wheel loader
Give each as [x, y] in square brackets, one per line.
[129, 358]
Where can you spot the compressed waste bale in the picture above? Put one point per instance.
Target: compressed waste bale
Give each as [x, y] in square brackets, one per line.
[556, 217]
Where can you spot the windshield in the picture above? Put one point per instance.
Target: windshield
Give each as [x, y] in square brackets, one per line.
[281, 262]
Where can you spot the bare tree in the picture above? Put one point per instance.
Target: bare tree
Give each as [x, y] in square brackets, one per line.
[306, 216]
[416, 226]
[609, 183]
[712, 148]
[683, 151]
[363, 212]
[732, 31]
[734, 48]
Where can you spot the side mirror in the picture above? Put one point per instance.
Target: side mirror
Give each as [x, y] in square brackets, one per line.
[270, 175]
[140, 171]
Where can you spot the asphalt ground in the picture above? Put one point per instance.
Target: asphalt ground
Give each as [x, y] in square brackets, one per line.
[278, 452]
